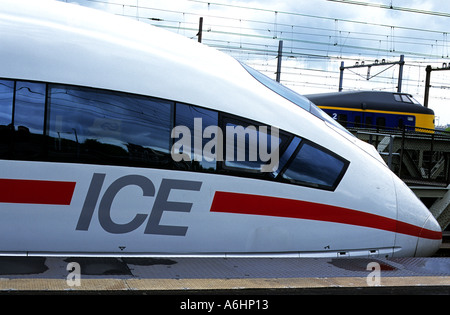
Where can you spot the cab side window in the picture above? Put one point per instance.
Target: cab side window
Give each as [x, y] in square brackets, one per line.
[315, 166]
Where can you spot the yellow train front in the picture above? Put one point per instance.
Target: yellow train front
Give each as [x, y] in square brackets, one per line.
[375, 109]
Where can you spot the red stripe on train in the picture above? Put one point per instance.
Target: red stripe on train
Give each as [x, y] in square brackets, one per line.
[228, 202]
[36, 191]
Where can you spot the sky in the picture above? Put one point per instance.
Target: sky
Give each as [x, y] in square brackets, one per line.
[317, 36]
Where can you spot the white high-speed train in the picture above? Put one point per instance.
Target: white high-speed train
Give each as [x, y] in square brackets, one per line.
[119, 138]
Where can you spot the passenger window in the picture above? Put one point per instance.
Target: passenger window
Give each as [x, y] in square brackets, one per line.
[313, 166]
[250, 147]
[381, 122]
[6, 108]
[105, 127]
[203, 138]
[6, 100]
[86, 125]
[29, 113]
[342, 119]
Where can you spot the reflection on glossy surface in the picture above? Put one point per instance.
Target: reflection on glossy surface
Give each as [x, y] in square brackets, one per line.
[89, 124]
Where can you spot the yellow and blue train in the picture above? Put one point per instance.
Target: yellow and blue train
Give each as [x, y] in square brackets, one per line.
[375, 109]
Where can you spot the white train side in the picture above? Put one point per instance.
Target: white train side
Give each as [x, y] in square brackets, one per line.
[87, 109]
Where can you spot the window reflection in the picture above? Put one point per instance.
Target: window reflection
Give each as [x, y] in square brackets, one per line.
[97, 126]
[6, 99]
[86, 125]
[29, 107]
[6, 108]
[201, 144]
[248, 147]
[288, 153]
[29, 112]
[315, 167]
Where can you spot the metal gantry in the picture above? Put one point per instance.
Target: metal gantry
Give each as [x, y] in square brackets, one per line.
[430, 69]
[383, 62]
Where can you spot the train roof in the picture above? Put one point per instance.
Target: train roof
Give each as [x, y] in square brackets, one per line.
[52, 41]
[56, 42]
[372, 100]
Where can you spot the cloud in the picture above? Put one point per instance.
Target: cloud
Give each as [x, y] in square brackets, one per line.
[317, 35]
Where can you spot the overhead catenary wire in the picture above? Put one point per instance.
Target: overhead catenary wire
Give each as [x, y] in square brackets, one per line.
[427, 41]
[391, 7]
[305, 42]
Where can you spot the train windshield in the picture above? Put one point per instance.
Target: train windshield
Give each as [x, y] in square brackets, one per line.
[293, 96]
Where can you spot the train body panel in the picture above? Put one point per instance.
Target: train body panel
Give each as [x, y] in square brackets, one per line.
[97, 218]
[352, 118]
[92, 171]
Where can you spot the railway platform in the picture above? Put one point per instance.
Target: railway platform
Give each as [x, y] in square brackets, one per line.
[237, 276]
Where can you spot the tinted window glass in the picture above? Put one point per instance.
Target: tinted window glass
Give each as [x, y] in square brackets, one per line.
[406, 99]
[287, 154]
[343, 119]
[97, 126]
[249, 147]
[202, 142]
[6, 107]
[30, 107]
[6, 101]
[381, 122]
[29, 112]
[86, 125]
[314, 167]
[414, 100]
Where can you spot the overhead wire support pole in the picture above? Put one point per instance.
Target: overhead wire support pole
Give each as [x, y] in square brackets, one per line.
[427, 86]
[429, 69]
[400, 73]
[341, 76]
[280, 55]
[368, 66]
[200, 29]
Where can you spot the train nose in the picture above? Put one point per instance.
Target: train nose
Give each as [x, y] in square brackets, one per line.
[430, 238]
[418, 232]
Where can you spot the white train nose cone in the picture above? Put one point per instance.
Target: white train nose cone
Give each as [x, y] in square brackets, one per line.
[430, 238]
[418, 232]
